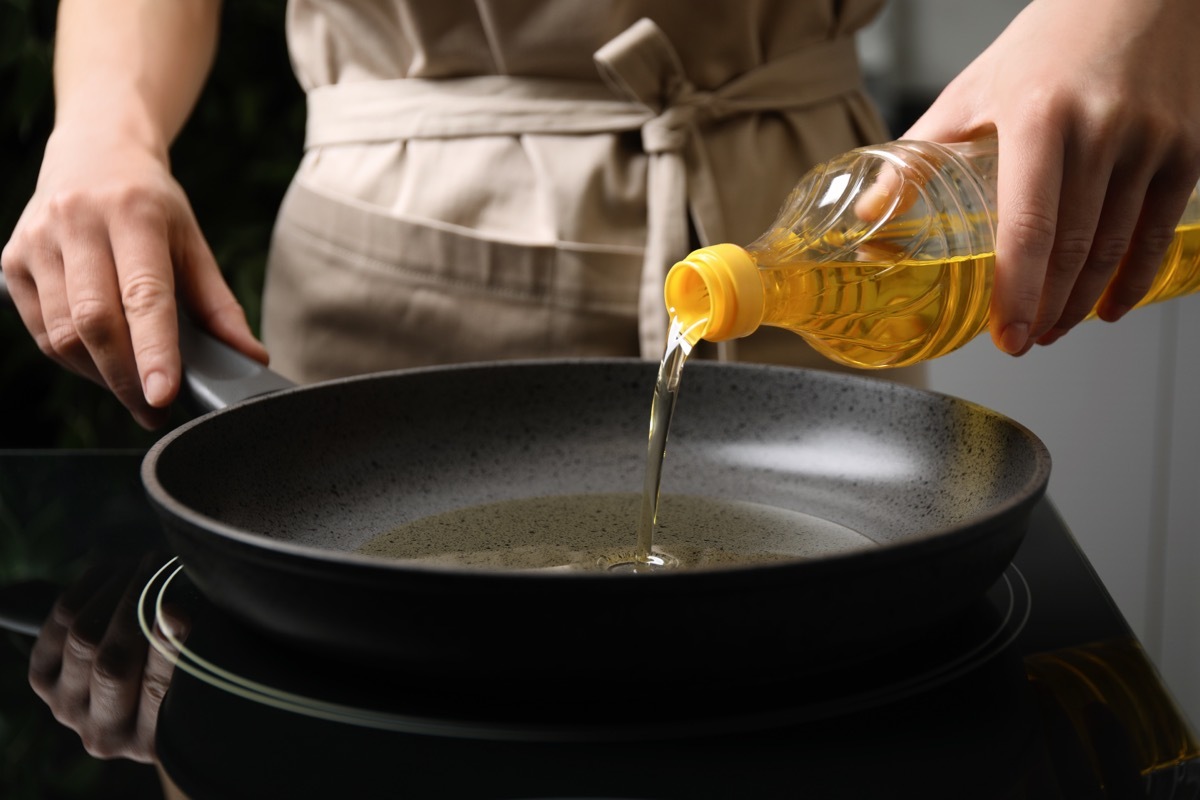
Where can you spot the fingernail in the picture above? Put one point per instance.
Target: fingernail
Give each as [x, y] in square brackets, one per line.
[156, 389]
[1014, 337]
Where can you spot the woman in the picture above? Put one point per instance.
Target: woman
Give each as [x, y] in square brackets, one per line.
[509, 179]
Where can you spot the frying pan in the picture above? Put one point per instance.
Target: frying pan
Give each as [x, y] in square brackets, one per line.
[268, 499]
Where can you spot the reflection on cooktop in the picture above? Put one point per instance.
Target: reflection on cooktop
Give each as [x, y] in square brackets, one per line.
[231, 657]
[1065, 705]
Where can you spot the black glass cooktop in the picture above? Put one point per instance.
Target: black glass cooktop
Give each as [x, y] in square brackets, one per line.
[1041, 691]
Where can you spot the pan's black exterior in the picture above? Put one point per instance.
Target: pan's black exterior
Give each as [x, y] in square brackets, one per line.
[266, 500]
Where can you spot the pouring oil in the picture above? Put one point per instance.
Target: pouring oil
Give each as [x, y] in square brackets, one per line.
[881, 257]
[875, 313]
[680, 340]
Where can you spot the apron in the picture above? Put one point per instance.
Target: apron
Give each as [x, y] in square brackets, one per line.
[511, 179]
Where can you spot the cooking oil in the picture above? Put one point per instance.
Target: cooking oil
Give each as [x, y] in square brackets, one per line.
[680, 339]
[875, 313]
[591, 533]
[881, 257]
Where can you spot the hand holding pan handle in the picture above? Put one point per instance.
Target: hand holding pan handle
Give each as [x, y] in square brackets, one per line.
[214, 374]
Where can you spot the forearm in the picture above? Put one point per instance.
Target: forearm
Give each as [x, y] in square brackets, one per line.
[132, 68]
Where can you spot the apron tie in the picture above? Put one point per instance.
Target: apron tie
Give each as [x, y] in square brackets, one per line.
[644, 88]
[641, 65]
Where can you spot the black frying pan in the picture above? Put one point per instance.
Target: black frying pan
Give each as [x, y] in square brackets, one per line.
[267, 499]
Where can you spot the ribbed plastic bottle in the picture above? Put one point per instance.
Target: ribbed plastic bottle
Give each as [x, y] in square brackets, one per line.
[882, 257]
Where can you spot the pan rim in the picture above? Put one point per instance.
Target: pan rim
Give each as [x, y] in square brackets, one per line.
[1021, 500]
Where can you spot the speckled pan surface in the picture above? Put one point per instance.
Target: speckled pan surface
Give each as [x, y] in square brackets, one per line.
[335, 465]
[268, 501]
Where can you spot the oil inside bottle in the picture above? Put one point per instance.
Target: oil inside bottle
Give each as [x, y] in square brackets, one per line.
[874, 312]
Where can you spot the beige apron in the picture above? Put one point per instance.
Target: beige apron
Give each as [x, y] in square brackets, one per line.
[511, 179]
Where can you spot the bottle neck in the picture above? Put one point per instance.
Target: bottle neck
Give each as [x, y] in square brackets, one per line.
[716, 293]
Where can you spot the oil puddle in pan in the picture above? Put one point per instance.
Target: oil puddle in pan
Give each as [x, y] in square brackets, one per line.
[591, 532]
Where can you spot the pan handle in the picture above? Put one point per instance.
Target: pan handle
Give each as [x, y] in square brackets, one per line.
[214, 374]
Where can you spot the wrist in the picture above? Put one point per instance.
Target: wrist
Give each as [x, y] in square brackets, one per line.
[107, 115]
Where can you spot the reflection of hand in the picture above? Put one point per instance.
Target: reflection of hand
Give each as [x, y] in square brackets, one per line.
[1096, 109]
[94, 668]
[96, 261]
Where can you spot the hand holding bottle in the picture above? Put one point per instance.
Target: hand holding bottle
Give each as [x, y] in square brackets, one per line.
[880, 257]
[1098, 119]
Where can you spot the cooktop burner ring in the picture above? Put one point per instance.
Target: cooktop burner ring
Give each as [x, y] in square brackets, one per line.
[513, 718]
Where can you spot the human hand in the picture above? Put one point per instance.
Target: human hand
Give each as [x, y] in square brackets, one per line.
[95, 670]
[1096, 108]
[105, 249]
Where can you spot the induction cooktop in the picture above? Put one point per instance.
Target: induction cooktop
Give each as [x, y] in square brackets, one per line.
[1042, 691]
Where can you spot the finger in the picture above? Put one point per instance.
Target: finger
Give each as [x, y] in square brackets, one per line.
[117, 671]
[74, 239]
[157, 679]
[84, 636]
[1153, 238]
[1028, 189]
[45, 659]
[147, 290]
[119, 677]
[23, 290]
[1093, 229]
[1116, 225]
[886, 196]
[55, 332]
[98, 317]
[35, 269]
[209, 299]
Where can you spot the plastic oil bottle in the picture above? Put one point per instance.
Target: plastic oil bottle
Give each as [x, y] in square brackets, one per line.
[882, 257]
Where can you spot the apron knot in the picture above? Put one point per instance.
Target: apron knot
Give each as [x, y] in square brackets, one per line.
[641, 65]
[670, 130]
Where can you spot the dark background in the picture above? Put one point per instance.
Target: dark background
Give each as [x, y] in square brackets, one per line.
[234, 159]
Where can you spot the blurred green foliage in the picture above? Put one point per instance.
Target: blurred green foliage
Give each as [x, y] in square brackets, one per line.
[234, 159]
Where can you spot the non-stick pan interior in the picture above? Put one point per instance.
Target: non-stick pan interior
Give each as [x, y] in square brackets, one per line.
[334, 465]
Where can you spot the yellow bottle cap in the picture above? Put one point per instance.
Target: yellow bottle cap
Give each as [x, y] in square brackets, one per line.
[720, 284]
